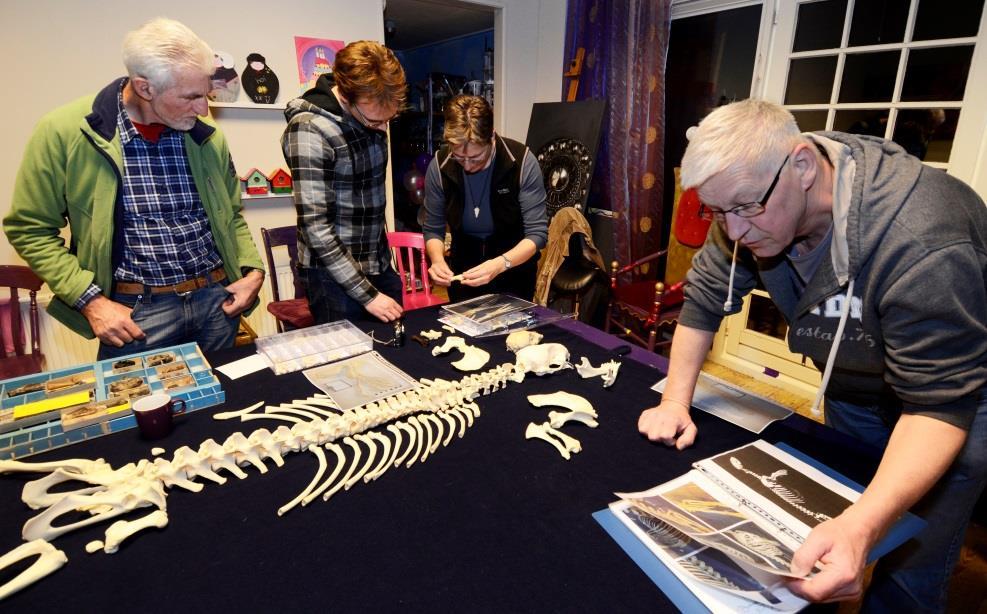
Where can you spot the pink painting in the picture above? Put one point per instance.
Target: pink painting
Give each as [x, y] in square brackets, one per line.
[315, 57]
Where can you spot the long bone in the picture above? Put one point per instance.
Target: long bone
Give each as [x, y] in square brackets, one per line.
[369, 442]
[340, 461]
[385, 456]
[352, 443]
[419, 440]
[559, 418]
[412, 438]
[537, 431]
[50, 560]
[227, 415]
[321, 457]
[429, 436]
[122, 529]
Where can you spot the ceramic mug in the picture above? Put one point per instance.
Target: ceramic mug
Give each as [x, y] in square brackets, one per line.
[155, 414]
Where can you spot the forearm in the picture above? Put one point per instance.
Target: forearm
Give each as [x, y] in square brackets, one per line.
[689, 349]
[522, 252]
[436, 250]
[919, 452]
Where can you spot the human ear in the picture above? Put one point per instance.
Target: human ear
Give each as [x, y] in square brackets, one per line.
[806, 164]
[142, 87]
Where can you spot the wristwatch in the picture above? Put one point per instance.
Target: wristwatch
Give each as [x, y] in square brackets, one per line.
[507, 262]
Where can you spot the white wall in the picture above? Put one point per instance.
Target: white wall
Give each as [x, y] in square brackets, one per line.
[59, 50]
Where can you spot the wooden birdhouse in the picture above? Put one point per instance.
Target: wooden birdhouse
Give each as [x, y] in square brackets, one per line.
[256, 183]
[280, 181]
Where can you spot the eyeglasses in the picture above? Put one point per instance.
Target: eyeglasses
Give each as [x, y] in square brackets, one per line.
[371, 123]
[747, 209]
[473, 159]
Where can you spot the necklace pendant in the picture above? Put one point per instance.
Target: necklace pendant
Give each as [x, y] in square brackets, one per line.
[476, 212]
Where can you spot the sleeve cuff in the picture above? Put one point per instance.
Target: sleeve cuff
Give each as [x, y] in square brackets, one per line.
[91, 292]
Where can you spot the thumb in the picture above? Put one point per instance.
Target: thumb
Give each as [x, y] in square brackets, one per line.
[804, 559]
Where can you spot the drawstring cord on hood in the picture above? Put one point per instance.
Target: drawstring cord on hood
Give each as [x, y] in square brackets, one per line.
[728, 304]
[816, 412]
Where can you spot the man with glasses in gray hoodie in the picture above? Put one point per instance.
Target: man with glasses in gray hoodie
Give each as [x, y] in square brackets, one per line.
[878, 264]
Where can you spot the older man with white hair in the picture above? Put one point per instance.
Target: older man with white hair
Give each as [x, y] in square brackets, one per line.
[878, 264]
[160, 253]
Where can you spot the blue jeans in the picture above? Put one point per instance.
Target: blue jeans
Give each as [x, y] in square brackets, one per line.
[915, 576]
[173, 319]
[329, 302]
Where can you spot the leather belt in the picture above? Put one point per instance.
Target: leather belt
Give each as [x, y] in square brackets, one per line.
[189, 285]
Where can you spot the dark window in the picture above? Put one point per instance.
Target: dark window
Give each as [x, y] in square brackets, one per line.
[947, 19]
[820, 25]
[810, 80]
[937, 74]
[878, 22]
[810, 121]
[927, 134]
[869, 77]
[863, 121]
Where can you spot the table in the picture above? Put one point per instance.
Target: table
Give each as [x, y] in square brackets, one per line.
[493, 522]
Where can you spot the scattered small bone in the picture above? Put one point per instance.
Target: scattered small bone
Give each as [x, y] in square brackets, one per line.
[563, 399]
[537, 431]
[448, 328]
[122, 529]
[50, 560]
[430, 334]
[157, 451]
[559, 418]
[422, 341]
[236, 414]
[94, 546]
[607, 370]
[523, 338]
[473, 358]
[571, 443]
[457, 277]
[451, 343]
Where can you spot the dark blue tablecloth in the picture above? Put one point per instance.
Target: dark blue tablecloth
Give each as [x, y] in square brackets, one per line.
[492, 522]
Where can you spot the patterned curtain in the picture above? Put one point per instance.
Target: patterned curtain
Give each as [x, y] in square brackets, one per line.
[626, 43]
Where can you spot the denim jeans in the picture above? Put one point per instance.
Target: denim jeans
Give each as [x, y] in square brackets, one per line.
[172, 319]
[329, 302]
[915, 576]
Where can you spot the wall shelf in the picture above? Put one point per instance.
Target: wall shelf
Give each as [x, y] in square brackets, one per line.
[264, 196]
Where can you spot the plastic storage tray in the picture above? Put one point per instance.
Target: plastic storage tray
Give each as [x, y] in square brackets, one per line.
[313, 346]
[202, 390]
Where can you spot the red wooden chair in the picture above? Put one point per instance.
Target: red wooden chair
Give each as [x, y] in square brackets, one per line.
[642, 310]
[14, 362]
[409, 254]
[294, 312]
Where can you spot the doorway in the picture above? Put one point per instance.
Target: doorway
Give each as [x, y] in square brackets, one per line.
[446, 48]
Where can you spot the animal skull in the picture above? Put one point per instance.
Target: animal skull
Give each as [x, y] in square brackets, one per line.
[543, 359]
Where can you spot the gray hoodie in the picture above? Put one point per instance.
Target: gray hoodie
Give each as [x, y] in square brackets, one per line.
[914, 242]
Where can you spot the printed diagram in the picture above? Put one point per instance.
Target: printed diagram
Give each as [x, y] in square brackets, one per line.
[359, 380]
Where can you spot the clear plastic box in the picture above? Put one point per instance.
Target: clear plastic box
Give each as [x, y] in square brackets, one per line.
[313, 346]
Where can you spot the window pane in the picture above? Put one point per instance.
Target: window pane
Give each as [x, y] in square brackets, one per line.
[866, 121]
[820, 25]
[810, 121]
[810, 80]
[927, 134]
[877, 22]
[869, 77]
[937, 74]
[947, 19]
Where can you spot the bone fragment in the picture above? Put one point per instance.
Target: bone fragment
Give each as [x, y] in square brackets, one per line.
[537, 431]
[473, 358]
[94, 546]
[226, 415]
[321, 457]
[448, 328]
[431, 335]
[607, 370]
[523, 338]
[568, 400]
[157, 451]
[559, 418]
[122, 529]
[571, 443]
[50, 560]
[450, 344]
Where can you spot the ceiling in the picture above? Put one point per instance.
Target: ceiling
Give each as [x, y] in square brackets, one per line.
[423, 22]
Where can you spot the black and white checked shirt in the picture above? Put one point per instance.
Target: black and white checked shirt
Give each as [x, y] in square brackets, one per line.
[338, 168]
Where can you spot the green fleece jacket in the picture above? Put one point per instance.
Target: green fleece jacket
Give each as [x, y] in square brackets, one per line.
[71, 174]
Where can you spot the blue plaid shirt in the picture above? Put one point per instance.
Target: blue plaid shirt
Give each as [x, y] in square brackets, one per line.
[166, 233]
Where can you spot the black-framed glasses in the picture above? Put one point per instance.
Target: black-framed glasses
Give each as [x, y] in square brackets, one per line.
[371, 123]
[473, 159]
[747, 209]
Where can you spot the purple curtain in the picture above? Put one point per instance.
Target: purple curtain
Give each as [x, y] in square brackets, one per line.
[626, 43]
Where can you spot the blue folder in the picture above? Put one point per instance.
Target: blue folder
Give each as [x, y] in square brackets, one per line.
[907, 527]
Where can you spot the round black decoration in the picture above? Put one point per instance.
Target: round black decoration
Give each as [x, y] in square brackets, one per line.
[259, 81]
[565, 165]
